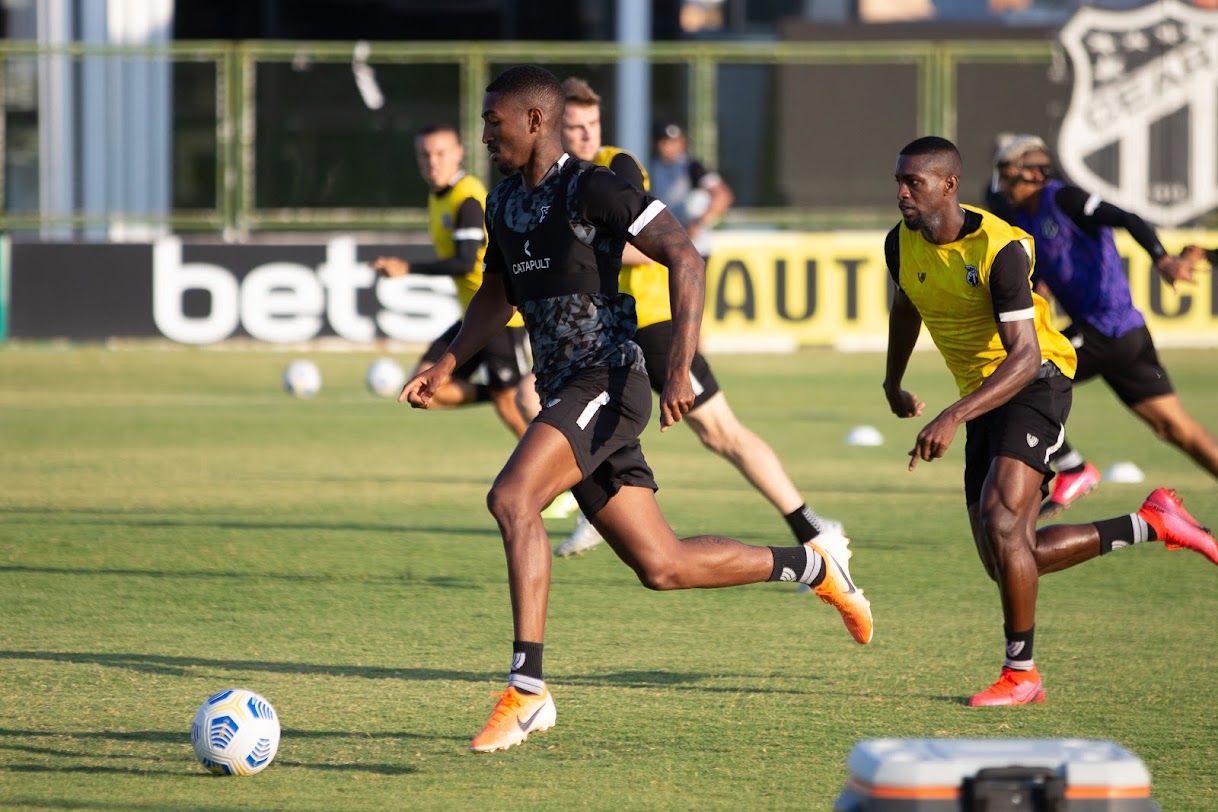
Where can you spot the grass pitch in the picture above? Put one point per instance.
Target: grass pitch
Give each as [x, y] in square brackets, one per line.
[172, 524]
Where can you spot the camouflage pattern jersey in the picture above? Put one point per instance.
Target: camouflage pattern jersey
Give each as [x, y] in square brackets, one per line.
[559, 248]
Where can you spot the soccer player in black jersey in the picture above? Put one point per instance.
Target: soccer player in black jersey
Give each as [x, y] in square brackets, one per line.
[557, 226]
[967, 274]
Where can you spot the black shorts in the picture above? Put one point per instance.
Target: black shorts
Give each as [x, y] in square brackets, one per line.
[1029, 427]
[655, 340]
[602, 412]
[506, 357]
[1128, 363]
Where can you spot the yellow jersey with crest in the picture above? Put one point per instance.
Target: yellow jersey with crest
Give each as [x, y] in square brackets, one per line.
[442, 225]
[647, 283]
[950, 286]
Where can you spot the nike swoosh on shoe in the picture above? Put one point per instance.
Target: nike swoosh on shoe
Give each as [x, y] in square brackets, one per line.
[525, 724]
[845, 577]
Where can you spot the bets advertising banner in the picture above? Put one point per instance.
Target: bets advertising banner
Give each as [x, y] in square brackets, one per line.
[765, 291]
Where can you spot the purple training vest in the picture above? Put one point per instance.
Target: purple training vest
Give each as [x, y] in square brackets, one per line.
[1084, 273]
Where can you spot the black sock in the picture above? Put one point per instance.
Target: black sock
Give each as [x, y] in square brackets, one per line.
[1124, 531]
[1019, 649]
[804, 523]
[526, 667]
[797, 564]
[482, 393]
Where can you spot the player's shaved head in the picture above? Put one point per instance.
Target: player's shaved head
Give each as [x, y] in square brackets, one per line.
[940, 153]
[928, 182]
[535, 87]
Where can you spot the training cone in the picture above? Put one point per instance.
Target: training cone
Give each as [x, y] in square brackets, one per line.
[864, 435]
[1124, 472]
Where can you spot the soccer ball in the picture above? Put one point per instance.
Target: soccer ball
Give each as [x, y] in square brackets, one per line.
[302, 378]
[385, 378]
[236, 732]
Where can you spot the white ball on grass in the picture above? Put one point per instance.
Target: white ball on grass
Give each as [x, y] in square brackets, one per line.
[235, 732]
[385, 378]
[302, 379]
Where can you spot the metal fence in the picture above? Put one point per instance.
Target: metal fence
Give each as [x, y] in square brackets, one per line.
[272, 136]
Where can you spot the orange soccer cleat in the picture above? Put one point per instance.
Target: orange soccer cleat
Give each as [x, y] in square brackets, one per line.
[1068, 488]
[1012, 688]
[515, 716]
[1164, 511]
[837, 589]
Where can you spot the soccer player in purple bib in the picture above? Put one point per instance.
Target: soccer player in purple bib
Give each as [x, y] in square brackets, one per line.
[1078, 264]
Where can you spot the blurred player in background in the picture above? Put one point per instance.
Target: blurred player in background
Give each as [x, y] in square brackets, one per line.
[557, 226]
[994, 201]
[711, 417]
[697, 196]
[967, 275]
[1077, 264]
[456, 223]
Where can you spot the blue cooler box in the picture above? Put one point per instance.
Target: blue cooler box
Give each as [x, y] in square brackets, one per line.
[994, 775]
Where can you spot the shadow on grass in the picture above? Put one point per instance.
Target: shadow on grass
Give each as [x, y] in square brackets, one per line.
[117, 518]
[401, 481]
[371, 769]
[174, 737]
[182, 666]
[172, 764]
[405, 579]
[29, 803]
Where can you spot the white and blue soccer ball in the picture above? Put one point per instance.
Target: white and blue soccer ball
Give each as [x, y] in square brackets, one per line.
[385, 378]
[302, 378]
[235, 732]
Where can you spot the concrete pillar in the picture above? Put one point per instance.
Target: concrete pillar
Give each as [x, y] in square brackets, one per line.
[633, 103]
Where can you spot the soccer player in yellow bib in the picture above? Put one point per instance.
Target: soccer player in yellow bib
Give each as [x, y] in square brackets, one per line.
[456, 223]
[711, 418]
[966, 274]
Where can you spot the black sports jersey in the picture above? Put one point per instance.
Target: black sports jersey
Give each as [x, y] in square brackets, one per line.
[559, 248]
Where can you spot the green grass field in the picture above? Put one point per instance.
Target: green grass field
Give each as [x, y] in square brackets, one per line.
[172, 524]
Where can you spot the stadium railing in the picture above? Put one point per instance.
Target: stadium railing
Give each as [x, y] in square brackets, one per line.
[277, 136]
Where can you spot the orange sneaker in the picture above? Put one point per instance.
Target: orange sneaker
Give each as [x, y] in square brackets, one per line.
[837, 589]
[1068, 488]
[515, 716]
[1013, 688]
[1164, 511]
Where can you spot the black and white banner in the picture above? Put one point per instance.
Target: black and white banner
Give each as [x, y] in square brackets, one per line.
[1142, 127]
[203, 294]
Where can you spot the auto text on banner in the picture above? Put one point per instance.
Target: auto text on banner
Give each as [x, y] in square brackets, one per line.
[778, 290]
